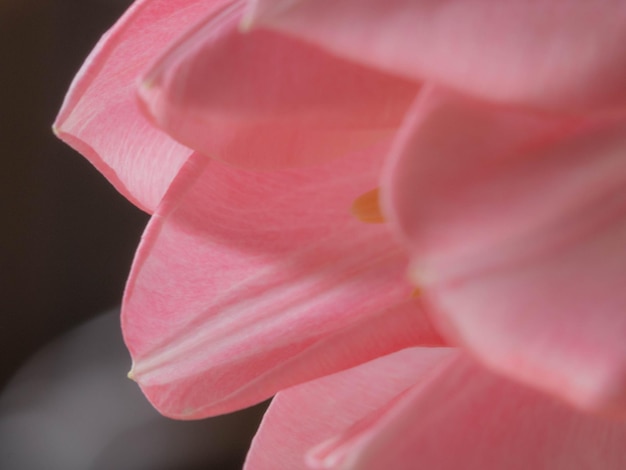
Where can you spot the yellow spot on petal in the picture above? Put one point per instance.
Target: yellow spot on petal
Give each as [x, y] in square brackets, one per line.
[416, 293]
[131, 375]
[366, 208]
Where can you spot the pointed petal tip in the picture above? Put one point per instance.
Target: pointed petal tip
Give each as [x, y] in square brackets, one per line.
[146, 99]
[145, 85]
[58, 126]
[607, 397]
[263, 12]
[247, 22]
[254, 13]
[419, 275]
[325, 456]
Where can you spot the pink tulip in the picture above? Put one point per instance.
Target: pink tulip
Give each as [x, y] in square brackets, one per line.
[496, 134]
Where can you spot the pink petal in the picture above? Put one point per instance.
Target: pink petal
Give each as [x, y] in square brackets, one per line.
[517, 238]
[303, 416]
[549, 53]
[250, 282]
[263, 100]
[465, 417]
[100, 117]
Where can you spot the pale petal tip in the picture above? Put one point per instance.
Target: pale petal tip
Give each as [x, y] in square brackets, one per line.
[419, 276]
[146, 97]
[258, 12]
[247, 22]
[324, 456]
[146, 84]
[249, 18]
[131, 374]
[146, 88]
[606, 395]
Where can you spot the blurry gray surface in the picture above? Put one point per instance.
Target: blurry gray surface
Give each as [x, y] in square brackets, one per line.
[71, 407]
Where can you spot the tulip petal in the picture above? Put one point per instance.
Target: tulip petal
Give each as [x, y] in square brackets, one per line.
[249, 282]
[100, 117]
[518, 241]
[552, 54]
[308, 414]
[462, 416]
[264, 100]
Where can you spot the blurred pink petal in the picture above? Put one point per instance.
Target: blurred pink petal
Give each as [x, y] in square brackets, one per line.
[517, 235]
[548, 53]
[261, 100]
[100, 117]
[304, 416]
[247, 283]
[457, 416]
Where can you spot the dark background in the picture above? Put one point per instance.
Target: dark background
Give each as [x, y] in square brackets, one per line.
[67, 237]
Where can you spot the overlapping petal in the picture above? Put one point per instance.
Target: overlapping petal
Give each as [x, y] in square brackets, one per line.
[306, 415]
[100, 117]
[249, 282]
[457, 415]
[264, 100]
[519, 243]
[547, 53]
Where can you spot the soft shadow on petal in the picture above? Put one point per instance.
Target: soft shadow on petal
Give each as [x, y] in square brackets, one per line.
[304, 416]
[458, 166]
[520, 247]
[100, 117]
[550, 54]
[249, 282]
[265, 100]
[463, 416]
